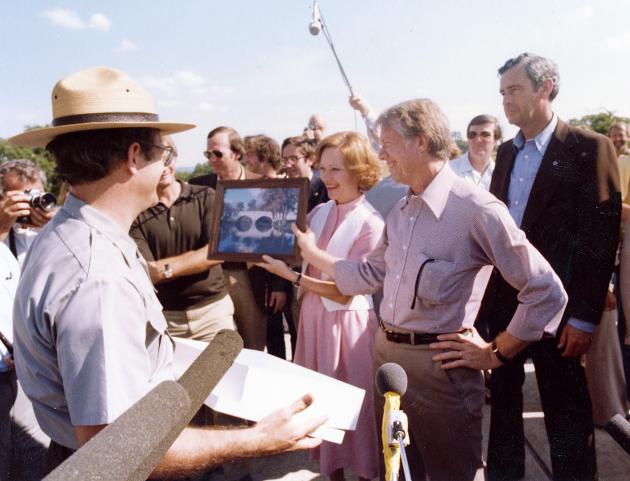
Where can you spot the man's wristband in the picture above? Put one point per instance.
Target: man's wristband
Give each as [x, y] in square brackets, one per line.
[497, 353]
[168, 271]
[296, 283]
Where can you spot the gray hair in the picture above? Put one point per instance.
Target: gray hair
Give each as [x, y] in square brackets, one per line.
[24, 169]
[538, 69]
[617, 125]
[420, 117]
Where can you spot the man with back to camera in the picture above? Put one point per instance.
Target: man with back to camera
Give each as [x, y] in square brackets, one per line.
[476, 165]
[82, 372]
[560, 184]
[173, 237]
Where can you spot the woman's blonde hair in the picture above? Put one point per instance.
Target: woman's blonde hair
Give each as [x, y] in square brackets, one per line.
[357, 155]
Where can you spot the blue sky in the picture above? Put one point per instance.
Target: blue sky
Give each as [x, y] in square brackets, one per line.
[253, 64]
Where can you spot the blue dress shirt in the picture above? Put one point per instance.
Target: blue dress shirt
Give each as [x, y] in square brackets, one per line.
[529, 155]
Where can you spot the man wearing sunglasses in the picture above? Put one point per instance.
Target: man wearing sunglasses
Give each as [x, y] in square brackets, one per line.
[477, 165]
[225, 153]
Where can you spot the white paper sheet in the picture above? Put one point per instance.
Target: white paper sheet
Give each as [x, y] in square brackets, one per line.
[258, 384]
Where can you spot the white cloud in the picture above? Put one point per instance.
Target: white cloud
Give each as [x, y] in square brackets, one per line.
[177, 83]
[583, 12]
[126, 46]
[64, 18]
[100, 22]
[619, 42]
[207, 107]
[71, 20]
[189, 79]
[169, 103]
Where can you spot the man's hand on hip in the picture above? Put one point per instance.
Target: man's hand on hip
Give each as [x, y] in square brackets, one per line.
[574, 342]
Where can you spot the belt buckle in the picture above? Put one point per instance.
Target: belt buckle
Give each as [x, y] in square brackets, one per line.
[385, 330]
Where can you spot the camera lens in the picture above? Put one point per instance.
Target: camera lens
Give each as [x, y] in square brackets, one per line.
[45, 201]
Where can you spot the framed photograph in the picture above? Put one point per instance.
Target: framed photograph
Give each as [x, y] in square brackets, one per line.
[253, 217]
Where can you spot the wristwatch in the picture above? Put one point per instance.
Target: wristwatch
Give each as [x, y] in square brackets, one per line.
[497, 353]
[168, 272]
[296, 283]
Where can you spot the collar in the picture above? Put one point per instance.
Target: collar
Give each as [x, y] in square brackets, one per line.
[542, 139]
[185, 192]
[241, 175]
[437, 192]
[466, 165]
[101, 222]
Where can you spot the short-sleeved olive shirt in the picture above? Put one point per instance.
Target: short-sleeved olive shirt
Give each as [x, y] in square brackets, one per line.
[162, 231]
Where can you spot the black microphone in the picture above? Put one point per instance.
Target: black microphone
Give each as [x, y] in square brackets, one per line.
[619, 430]
[390, 377]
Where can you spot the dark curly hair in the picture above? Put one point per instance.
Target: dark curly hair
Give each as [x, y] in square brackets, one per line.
[91, 155]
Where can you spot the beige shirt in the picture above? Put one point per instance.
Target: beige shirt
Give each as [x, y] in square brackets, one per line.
[436, 256]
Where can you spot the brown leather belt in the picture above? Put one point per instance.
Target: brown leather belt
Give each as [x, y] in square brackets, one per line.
[413, 338]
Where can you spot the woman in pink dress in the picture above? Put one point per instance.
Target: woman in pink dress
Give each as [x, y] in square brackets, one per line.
[336, 332]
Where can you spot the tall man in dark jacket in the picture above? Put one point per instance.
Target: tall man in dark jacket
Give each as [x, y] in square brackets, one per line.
[560, 184]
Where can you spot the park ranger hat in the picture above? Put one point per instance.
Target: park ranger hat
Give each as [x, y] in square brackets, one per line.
[98, 98]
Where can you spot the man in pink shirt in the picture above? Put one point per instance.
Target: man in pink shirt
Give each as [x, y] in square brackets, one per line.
[434, 260]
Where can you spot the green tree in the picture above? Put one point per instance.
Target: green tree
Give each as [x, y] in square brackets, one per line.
[599, 122]
[200, 169]
[39, 156]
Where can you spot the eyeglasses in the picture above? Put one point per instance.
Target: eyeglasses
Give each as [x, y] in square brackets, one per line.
[208, 154]
[292, 158]
[168, 153]
[484, 134]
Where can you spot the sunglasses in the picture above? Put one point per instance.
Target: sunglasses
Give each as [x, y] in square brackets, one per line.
[483, 134]
[208, 154]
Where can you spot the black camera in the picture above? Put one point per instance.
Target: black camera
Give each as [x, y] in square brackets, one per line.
[37, 199]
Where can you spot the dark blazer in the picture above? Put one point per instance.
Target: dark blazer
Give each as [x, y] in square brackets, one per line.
[317, 193]
[210, 180]
[572, 217]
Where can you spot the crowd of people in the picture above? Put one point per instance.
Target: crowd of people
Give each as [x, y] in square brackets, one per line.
[458, 267]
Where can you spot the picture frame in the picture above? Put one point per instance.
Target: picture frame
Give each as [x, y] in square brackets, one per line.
[253, 218]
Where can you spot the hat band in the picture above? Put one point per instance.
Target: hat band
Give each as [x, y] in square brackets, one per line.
[105, 117]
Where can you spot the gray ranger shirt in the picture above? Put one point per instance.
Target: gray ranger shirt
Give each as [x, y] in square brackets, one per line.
[89, 334]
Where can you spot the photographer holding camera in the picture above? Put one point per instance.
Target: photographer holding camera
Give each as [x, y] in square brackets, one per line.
[24, 205]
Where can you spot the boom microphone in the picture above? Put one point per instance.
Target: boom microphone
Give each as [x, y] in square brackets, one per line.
[316, 24]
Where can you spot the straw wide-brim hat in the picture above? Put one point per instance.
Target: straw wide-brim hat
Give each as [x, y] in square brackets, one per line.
[98, 98]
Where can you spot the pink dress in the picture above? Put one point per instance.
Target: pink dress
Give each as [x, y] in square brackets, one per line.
[340, 344]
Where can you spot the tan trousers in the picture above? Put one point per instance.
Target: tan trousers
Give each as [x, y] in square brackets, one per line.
[444, 411]
[604, 371]
[251, 322]
[202, 323]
